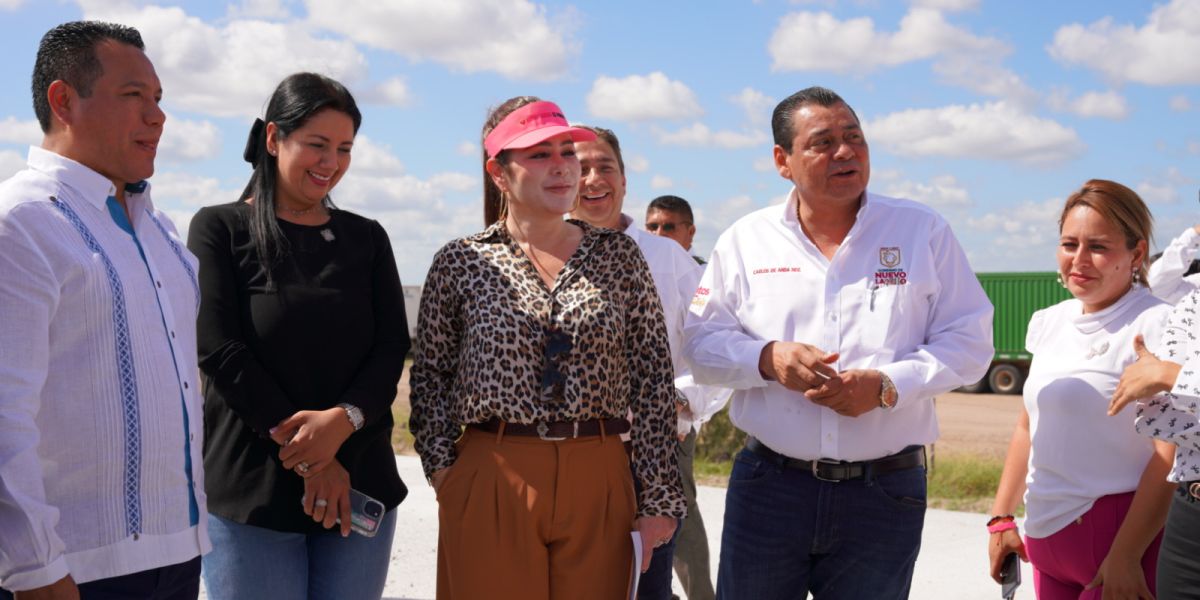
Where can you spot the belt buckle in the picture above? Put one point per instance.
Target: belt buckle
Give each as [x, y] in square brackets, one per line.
[543, 429]
[816, 471]
[1194, 490]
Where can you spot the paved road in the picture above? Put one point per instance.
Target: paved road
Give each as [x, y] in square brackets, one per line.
[952, 564]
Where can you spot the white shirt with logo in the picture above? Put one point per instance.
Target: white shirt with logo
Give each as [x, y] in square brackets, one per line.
[898, 296]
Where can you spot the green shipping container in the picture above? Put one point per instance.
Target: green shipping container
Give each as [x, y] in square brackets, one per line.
[1015, 296]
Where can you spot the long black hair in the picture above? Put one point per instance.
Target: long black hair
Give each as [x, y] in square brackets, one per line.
[295, 101]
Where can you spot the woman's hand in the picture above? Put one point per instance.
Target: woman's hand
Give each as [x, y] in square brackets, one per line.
[1147, 376]
[1122, 578]
[311, 438]
[655, 531]
[1001, 545]
[327, 496]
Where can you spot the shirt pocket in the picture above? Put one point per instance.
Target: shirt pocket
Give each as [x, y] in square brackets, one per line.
[873, 319]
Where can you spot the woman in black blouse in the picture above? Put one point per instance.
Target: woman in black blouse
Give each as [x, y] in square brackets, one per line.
[302, 339]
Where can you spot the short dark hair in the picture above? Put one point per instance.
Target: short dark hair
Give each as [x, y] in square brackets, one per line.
[609, 137]
[68, 53]
[783, 119]
[673, 204]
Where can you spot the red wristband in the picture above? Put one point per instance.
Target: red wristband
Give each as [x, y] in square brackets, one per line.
[1002, 526]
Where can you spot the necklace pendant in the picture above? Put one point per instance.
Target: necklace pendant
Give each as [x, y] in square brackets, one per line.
[327, 234]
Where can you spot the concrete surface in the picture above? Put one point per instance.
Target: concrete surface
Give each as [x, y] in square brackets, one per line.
[952, 564]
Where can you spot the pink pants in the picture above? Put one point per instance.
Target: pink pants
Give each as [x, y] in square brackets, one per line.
[1065, 562]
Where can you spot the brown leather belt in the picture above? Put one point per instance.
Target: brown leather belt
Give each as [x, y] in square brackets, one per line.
[834, 470]
[556, 430]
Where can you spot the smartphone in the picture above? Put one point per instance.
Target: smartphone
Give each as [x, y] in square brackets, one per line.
[365, 513]
[1010, 576]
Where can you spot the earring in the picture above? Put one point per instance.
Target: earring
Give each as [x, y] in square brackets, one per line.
[1059, 278]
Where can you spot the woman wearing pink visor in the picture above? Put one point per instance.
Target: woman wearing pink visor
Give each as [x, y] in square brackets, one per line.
[537, 336]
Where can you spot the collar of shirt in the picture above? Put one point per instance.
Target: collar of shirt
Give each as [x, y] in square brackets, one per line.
[497, 233]
[90, 185]
[1093, 322]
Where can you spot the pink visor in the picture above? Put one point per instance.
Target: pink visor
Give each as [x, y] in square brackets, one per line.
[530, 125]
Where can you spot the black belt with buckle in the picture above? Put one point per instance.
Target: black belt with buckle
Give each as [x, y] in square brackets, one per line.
[1190, 490]
[836, 470]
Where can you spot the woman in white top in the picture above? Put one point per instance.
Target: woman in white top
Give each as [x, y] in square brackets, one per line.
[1095, 494]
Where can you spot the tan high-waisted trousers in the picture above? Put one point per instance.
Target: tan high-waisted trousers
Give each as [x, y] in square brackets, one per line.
[528, 519]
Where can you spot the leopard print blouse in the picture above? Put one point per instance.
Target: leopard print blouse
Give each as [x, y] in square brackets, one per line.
[482, 335]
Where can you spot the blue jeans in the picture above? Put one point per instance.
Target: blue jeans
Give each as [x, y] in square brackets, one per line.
[655, 583]
[787, 533]
[255, 562]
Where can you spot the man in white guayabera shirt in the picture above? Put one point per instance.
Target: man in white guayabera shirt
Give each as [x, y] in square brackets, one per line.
[837, 317]
[100, 420]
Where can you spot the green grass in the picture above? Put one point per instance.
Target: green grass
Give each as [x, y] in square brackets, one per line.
[956, 482]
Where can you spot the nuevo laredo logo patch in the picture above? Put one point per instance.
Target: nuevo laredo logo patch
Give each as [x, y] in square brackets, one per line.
[890, 258]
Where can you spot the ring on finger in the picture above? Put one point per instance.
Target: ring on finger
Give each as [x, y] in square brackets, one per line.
[302, 467]
[321, 503]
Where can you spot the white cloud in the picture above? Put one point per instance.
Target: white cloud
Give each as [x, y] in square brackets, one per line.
[373, 158]
[758, 106]
[258, 9]
[1156, 192]
[10, 163]
[185, 190]
[16, 131]
[185, 140]
[467, 149]
[1023, 237]
[994, 130]
[984, 75]
[637, 163]
[515, 38]
[942, 191]
[1180, 103]
[947, 5]
[1107, 105]
[232, 69]
[820, 42]
[1154, 54]
[765, 164]
[394, 92]
[661, 182]
[642, 98]
[11, 4]
[699, 135]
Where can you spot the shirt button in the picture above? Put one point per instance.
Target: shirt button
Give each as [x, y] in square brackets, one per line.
[185, 385]
[172, 335]
[832, 317]
[159, 284]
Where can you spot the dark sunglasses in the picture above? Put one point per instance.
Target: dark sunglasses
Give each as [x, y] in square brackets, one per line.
[553, 380]
[666, 227]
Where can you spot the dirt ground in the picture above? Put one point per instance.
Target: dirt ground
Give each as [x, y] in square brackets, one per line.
[980, 424]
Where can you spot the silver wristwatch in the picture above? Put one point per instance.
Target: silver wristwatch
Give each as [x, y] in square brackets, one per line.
[355, 415]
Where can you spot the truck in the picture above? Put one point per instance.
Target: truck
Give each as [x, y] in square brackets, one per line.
[1015, 296]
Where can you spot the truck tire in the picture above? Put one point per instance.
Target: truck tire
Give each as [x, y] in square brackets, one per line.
[1005, 379]
[979, 387]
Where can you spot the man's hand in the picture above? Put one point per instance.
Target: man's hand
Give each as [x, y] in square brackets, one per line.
[1144, 378]
[655, 532]
[858, 393]
[800, 367]
[63, 589]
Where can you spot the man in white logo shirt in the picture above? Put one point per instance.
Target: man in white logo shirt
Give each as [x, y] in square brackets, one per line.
[836, 317]
[101, 484]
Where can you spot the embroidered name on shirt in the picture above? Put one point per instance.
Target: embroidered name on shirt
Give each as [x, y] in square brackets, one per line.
[775, 270]
[890, 258]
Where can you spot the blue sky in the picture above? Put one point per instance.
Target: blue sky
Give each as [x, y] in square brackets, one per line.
[992, 112]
